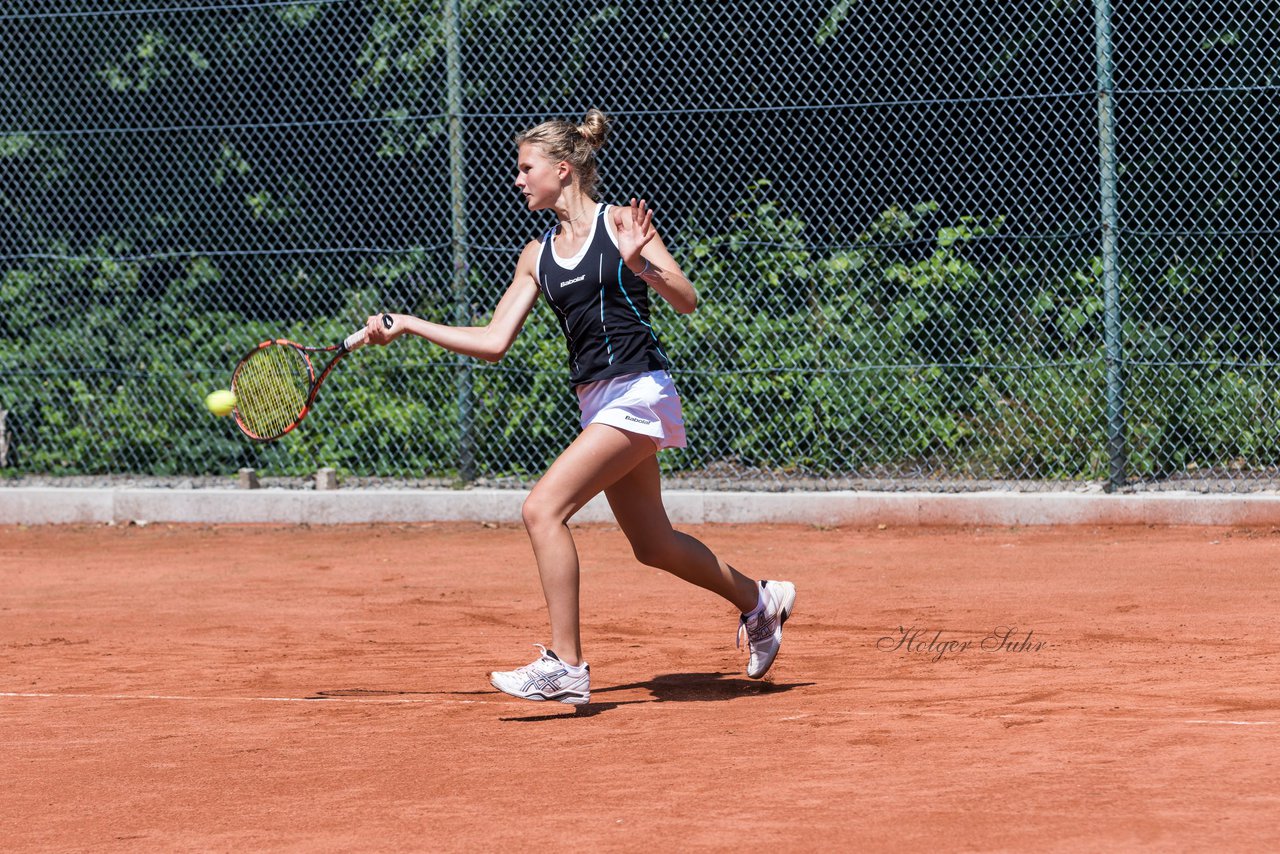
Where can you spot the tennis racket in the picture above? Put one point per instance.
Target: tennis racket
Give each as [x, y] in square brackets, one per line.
[275, 384]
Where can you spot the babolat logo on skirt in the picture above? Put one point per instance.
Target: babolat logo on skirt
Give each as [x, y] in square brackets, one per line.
[637, 420]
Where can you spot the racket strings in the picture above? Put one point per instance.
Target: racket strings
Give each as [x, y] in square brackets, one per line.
[271, 388]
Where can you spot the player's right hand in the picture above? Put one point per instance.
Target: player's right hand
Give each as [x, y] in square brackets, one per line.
[379, 332]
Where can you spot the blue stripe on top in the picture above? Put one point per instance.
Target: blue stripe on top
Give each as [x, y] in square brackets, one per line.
[639, 316]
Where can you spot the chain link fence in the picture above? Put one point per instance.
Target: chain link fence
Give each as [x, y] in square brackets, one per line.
[938, 245]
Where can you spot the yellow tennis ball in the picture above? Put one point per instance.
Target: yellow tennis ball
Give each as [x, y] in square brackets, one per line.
[220, 402]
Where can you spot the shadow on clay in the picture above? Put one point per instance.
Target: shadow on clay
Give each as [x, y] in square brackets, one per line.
[671, 688]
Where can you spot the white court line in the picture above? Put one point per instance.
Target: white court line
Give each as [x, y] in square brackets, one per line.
[392, 699]
[1040, 717]
[179, 698]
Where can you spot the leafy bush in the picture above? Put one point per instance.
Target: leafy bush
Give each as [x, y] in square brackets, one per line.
[927, 348]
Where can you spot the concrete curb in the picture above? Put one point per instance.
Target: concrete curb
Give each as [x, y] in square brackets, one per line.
[72, 505]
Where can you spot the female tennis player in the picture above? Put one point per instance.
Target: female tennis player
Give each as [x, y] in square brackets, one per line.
[594, 268]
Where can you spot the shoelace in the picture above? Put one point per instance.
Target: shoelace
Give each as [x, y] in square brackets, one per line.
[530, 667]
[762, 629]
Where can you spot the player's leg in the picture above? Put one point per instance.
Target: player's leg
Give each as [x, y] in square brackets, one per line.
[597, 459]
[636, 500]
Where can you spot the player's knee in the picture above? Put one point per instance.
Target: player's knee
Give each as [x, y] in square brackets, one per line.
[530, 513]
[537, 513]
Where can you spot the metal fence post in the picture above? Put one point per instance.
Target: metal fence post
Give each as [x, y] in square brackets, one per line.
[461, 266]
[1113, 334]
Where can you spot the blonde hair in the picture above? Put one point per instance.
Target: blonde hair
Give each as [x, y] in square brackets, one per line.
[575, 144]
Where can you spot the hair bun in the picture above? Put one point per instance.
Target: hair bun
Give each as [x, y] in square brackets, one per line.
[594, 128]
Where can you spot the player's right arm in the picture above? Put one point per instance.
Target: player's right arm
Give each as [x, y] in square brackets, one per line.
[489, 342]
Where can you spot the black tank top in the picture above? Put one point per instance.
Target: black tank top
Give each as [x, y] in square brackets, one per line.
[603, 308]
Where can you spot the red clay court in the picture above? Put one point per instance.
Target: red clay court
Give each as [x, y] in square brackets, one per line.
[177, 687]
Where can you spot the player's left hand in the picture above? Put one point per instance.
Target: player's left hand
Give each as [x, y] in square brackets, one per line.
[634, 227]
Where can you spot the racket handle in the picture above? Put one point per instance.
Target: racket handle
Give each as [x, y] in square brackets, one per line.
[360, 337]
[356, 340]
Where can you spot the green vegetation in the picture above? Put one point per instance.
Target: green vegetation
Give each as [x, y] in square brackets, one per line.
[915, 348]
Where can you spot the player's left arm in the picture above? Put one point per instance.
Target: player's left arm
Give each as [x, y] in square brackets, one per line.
[647, 256]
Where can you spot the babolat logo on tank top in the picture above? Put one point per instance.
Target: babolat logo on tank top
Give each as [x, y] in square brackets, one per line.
[605, 315]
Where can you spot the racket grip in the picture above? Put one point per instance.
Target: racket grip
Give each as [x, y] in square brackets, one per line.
[356, 340]
[360, 337]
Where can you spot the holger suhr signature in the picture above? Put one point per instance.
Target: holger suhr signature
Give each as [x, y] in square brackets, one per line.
[938, 643]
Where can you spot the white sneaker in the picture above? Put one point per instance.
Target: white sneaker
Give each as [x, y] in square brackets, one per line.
[764, 630]
[548, 678]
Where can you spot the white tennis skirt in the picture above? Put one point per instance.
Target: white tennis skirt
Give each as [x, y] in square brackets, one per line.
[644, 403]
